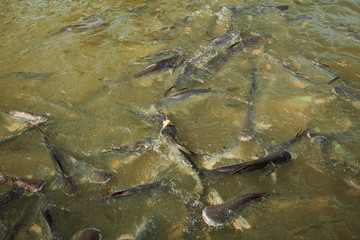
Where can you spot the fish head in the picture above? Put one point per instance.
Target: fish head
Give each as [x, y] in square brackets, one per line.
[217, 215]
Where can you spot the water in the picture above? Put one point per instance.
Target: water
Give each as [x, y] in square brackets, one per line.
[314, 197]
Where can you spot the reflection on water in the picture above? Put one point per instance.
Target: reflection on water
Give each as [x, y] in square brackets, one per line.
[307, 77]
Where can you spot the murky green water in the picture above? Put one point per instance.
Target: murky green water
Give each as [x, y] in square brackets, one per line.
[314, 198]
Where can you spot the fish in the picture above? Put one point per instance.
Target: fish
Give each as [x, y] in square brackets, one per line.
[236, 48]
[186, 93]
[89, 234]
[156, 119]
[2, 230]
[288, 143]
[287, 66]
[76, 27]
[161, 65]
[20, 228]
[204, 55]
[347, 94]
[69, 186]
[163, 55]
[48, 221]
[9, 199]
[258, 9]
[301, 18]
[277, 159]
[33, 119]
[218, 215]
[128, 192]
[240, 222]
[247, 130]
[149, 229]
[31, 185]
[27, 75]
[349, 31]
[93, 174]
[133, 148]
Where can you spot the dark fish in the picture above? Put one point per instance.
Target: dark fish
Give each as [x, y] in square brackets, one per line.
[89, 234]
[149, 229]
[20, 228]
[301, 18]
[124, 193]
[285, 145]
[163, 55]
[162, 65]
[31, 185]
[217, 215]
[259, 9]
[134, 148]
[347, 94]
[202, 56]
[236, 48]
[48, 221]
[28, 75]
[277, 160]
[9, 199]
[93, 174]
[69, 186]
[157, 119]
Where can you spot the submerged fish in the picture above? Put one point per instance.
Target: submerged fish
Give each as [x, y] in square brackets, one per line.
[350, 32]
[186, 93]
[161, 65]
[217, 215]
[347, 94]
[20, 228]
[119, 194]
[31, 185]
[48, 221]
[27, 75]
[9, 199]
[277, 160]
[149, 229]
[76, 27]
[89, 234]
[157, 119]
[69, 186]
[202, 56]
[134, 148]
[93, 174]
[259, 9]
[236, 48]
[285, 145]
[301, 18]
[2, 230]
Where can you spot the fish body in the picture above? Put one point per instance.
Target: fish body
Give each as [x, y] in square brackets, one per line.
[28, 75]
[9, 199]
[149, 229]
[31, 185]
[69, 186]
[48, 221]
[301, 18]
[33, 119]
[154, 118]
[277, 159]
[161, 65]
[135, 148]
[76, 27]
[258, 9]
[288, 143]
[124, 193]
[347, 94]
[217, 215]
[93, 174]
[186, 93]
[89, 234]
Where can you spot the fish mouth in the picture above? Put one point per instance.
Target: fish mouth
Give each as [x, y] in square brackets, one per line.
[208, 221]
